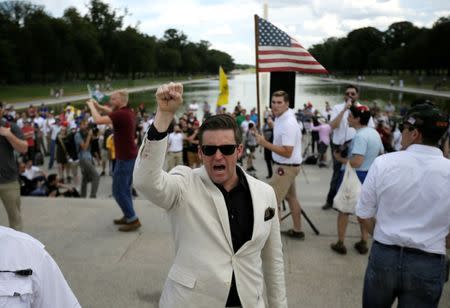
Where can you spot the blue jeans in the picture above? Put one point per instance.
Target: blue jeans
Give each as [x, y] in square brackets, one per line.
[122, 181]
[415, 278]
[361, 176]
[52, 154]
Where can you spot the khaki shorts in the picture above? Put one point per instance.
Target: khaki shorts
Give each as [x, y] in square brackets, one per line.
[283, 181]
[10, 196]
[193, 159]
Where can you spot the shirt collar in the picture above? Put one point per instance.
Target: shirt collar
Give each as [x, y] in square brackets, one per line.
[242, 182]
[285, 114]
[424, 149]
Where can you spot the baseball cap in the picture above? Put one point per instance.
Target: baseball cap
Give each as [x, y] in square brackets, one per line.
[428, 119]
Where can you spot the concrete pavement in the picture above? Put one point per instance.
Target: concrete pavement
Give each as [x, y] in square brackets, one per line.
[106, 268]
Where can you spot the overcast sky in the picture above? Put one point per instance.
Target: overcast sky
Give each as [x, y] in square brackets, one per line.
[228, 24]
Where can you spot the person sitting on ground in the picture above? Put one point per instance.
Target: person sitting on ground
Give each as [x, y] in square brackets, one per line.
[53, 186]
[33, 187]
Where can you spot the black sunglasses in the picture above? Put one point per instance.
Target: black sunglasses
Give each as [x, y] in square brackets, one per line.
[350, 93]
[226, 149]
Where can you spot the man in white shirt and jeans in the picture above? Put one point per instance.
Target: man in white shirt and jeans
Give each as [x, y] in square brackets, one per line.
[405, 203]
[342, 136]
[286, 153]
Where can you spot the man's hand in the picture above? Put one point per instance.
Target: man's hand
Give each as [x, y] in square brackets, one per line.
[169, 97]
[5, 131]
[91, 103]
[259, 137]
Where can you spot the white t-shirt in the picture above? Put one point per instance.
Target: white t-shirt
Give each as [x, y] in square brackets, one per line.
[48, 125]
[45, 287]
[244, 126]
[32, 172]
[286, 132]
[344, 132]
[175, 142]
[408, 194]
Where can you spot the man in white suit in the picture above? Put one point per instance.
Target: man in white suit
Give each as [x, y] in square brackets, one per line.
[225, 226]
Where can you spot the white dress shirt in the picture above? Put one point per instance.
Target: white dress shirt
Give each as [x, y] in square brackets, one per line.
[408, 194]
[44, 288]
[175, 142]
[286, 132]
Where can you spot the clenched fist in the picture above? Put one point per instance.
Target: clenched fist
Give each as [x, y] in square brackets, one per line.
[169, 97]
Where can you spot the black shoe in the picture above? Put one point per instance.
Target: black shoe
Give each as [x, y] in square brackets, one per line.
[339, 247]
[299, 235]
[327, 206]
[134, 193]
[361, 247]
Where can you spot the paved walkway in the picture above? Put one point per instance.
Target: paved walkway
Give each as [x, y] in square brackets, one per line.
[106, 268]
[74, 98]
[445, 94]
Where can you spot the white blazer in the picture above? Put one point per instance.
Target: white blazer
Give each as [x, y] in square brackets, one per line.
[204, 258]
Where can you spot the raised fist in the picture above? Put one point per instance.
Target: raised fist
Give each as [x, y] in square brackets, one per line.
[169, 97]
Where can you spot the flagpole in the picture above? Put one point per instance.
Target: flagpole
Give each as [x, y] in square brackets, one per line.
[257, 71]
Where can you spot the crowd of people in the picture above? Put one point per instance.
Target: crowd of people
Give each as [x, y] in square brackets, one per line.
[103, 140]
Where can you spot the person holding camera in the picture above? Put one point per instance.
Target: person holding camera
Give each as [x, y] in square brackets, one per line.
[405, 204]
[83, 139]
[11, 139]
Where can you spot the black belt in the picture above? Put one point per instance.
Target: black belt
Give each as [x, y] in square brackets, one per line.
[411, 250]
[289, 165]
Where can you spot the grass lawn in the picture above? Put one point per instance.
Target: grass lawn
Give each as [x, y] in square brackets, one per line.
[428, 82]
[26, 92]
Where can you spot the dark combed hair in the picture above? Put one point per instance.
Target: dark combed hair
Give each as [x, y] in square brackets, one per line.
[220, 122]
[364, 116]
[51, 177]
[351, 86]
[282, 93]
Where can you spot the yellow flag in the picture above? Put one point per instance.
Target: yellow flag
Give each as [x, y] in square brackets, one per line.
[223, 84]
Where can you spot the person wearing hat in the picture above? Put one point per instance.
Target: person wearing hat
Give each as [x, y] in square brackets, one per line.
[405, 204]
[11, 139]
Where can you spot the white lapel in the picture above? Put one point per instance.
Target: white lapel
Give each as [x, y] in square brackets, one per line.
[219, 203]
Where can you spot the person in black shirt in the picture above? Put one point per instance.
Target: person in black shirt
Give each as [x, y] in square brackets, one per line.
[225, 225]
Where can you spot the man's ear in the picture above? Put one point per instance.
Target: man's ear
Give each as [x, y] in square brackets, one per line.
[240, 150]
[199, 152]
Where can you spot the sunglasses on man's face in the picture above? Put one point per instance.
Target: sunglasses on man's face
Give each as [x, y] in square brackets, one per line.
[350, 93]
[226, 149]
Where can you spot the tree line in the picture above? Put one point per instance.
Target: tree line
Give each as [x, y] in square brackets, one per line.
[36, 47]
[402, 47]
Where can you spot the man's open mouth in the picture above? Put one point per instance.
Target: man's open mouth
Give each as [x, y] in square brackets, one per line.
[219, 167]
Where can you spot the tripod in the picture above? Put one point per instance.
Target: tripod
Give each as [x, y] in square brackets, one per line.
[311, 224]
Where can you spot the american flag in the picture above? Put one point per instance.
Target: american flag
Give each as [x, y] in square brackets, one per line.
[278, 52]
